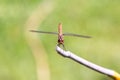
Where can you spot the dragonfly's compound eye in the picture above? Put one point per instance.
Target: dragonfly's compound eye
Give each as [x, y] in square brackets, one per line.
[60, 41]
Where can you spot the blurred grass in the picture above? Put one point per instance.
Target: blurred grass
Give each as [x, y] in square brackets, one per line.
[16, 60]
[98, 18]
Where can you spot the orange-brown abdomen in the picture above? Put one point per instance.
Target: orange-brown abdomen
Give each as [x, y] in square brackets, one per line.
[60, 29]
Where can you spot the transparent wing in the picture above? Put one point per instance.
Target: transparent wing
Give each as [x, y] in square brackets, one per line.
[65, 34]
[44, 32]
[76, 35]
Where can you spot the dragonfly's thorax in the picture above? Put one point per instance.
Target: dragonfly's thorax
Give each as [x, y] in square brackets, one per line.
[60, 39]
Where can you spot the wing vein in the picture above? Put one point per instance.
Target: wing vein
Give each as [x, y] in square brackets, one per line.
[76, 35]
[43, 32]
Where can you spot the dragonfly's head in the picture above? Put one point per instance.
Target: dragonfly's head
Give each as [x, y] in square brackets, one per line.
[60, 40]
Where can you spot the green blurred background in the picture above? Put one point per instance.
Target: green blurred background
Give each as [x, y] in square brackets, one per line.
[97, 18]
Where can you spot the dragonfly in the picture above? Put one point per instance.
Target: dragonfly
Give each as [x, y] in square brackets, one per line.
[61, 34]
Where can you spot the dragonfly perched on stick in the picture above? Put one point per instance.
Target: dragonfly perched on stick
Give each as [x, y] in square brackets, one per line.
[60, 34]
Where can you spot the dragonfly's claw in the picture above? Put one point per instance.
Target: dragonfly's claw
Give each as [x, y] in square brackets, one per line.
[63, 46]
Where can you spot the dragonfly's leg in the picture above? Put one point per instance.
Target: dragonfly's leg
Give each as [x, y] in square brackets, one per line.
[63, 46]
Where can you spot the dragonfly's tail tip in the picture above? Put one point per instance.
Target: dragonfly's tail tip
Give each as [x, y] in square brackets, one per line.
[60, 23]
